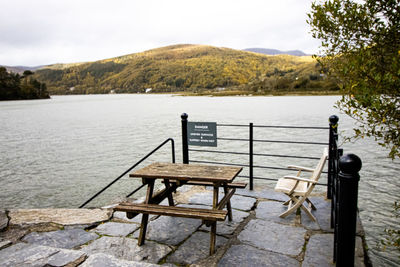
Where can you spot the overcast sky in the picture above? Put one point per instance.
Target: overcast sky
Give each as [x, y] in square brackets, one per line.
[43, 32]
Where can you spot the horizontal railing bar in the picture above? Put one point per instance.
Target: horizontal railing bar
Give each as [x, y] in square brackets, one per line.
[273, 141]
[220, 152]
[291, 142]
[274, 179]
[292, 127]
[221, 163]
[232, 125]
[243, 165]
[255, 154]
[232, 139]
[274, 126]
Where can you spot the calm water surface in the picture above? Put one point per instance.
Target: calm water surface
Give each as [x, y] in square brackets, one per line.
[59, 152]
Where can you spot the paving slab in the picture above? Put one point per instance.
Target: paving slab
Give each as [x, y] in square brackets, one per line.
[127, 249]
[23, 254]
[26, 254]
[104, 260]
[3, 220]
[69, 238]
[265, 193]
[226, 227]
[319, 251]
[59, 216]
[170, 230]
[197, 247]
[116, 229]
[270, 210]
[237, 202]
[66, 257]
[245, 255]
[322, 214]
[271, 236]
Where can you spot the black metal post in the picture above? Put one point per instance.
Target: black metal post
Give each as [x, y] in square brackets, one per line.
[251, 155]
[345, 229]
[185, 147]
[333, 120]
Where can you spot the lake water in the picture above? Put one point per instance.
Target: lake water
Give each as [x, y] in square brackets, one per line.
[59, 152]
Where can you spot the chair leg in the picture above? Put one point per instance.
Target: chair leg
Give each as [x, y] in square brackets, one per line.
[308, 212]
[311, 204]
[297, 203]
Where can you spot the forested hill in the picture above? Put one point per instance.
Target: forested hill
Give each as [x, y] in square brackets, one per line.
[193, 68]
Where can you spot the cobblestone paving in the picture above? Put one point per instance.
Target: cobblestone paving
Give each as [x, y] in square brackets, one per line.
[255, 237]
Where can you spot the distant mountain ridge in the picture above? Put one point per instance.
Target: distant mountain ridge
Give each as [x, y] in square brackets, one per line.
[182, 67]
[273, 52]
[21, 69]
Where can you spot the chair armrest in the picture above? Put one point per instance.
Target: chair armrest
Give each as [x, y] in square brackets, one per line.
[299, 179]
[301, 168]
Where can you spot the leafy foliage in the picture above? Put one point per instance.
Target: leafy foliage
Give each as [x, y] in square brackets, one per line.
[13, 86]
[361, 49]
[194, 68]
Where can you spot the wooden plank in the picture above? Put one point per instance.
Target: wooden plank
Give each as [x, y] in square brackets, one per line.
[228, 194]
[230, 185]
[162, 194]
[213, 237]
[225, 199]
[167, 188]
[145, 217]
[196, 213]
[188, 172]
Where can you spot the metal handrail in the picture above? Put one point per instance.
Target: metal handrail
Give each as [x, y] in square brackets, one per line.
[255, 154]
[133, 166]
[274, 126]
[273, 141]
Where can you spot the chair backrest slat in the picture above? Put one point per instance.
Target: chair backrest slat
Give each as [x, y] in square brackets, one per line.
[318, 170]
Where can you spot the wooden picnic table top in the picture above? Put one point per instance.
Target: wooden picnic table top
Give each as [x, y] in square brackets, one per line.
[188, 172]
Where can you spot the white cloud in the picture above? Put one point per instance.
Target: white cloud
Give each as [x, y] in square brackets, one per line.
[45, 32]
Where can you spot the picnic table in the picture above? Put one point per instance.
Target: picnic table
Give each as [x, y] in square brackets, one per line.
[175, 175]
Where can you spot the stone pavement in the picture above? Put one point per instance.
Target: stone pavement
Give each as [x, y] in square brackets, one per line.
[99, 237]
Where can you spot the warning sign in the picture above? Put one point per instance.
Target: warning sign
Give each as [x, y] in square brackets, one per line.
[202, 133]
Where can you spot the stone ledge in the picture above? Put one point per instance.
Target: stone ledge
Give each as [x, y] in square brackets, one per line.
[26, 217]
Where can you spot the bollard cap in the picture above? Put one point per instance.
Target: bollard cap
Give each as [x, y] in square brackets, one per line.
[184, 116]
[350, 163]
[333, 119]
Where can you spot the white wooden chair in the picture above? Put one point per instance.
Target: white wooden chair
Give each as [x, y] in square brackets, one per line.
[298, 189]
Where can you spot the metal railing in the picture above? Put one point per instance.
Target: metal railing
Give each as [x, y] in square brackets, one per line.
[251, 141]
[132, 167]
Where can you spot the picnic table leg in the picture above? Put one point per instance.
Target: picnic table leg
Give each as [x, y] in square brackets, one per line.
[145, 217]
[170, 198]
[228, 204]
[213, 231]
[213, 237]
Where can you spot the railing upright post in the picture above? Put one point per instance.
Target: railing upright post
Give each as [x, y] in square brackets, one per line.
[345, 229]
[185, 147]
[333, 120]
[251, 155]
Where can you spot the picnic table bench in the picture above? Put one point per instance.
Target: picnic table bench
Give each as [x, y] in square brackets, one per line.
[175, 175]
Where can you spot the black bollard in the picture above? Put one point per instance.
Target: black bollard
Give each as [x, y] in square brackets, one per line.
[345, 230]
[185, 147]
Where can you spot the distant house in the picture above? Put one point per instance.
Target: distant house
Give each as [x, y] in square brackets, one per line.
[112, 91]
[148, 90]
[71, 89]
